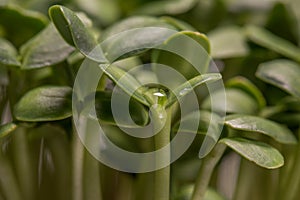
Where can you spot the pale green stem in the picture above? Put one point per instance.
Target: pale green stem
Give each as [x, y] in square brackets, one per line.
[125, 187]
[144, 186]
[291, 190]
[78, 156]
[8, 181]
[92, 187]
[24, 164]
[61, 162]
[162, 176]
[206, 169]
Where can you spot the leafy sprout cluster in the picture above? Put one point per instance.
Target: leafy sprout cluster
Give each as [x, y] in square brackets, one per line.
[256, 47]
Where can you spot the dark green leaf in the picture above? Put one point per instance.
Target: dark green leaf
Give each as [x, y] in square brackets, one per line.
[75, 33]
[228, 42]
[122, 139]
[207, 119]
[287, 118]
[187, 52]
[260, 153]
[282, 21]
[269, 40]
[20, 25]
[257, 124]
[237, 101]
[138, 113]
[8, 53]
[188, 86]
[45, 49]
[47, 103]
[283, 74]
[290, 103]
[6, 129]
[248, 87]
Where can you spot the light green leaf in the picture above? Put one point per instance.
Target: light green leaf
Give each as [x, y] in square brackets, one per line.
[8, 53]
[269, 40]
[260, 125]
[248, 87]
[126, 82]
[45, 49]
[188, 86]
[281, 73]
[245, 5]
[260, 153]
[178, 24]
[228, 42]
[75, 33]
[237, 101]
[167, 7]
[47, 103]
[106, 11]
[134, 42]
[6, 129]
[132, 23]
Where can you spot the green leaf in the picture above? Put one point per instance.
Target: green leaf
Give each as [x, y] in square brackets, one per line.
[126, 82]
[75, 33]
[260, 125]
[134, 42]
[206, 119]
[45, 49]
[19, 25]
[248, 87]
[228, 42]
[8, 53]
[269, 40]
[260, 153]
[237, 101]
[287, 118]
[106, 11]
[178, 24]
[188, 86]
[290, 103]
[281, 73]
[132, 23]
[187, 52]
[122, 139]
[282, 21]
[6, 129]
[103, 104]
[166, 7]
[47, 103]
